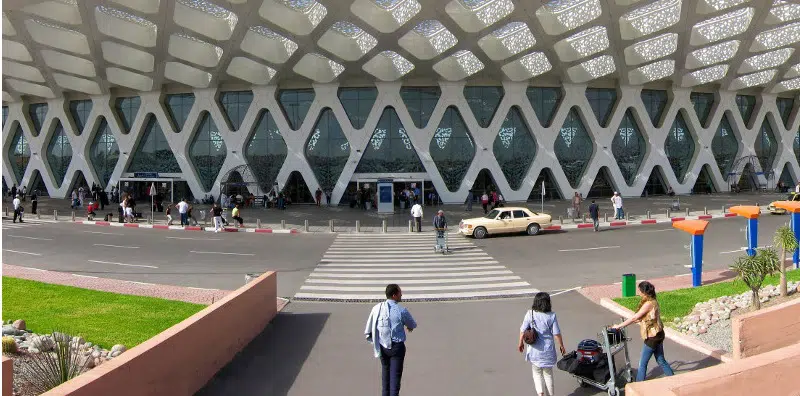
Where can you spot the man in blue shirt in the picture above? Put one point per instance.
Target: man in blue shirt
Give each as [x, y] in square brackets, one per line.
[386, 331]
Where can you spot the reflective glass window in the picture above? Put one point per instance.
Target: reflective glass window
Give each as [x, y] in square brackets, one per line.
[514, 148]
[452, 148]
[725, 146]
[266, 151]
[679, 147]
[126, 109]
[766, 146]
[654, 101]
[295, 104]
[207, 152]
[38, 112]
[59, 153]
[602, 101]
[703, 102]
[19, 153]
[357, 103]
[544, 101]
[80, 110]
[153, 153]
[796, 146]
[785, 106]
[483, 101]
[746, 104]
[327, 150]
[390, 149]
[178, 108]
[104, 152]
[235, 105]
[574, 148]
[420, 102]
[629, 147]
[5, 115]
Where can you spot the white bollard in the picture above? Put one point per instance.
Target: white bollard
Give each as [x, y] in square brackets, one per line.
[55, 214]
[305, 226]
[384, 228]
[330, 223]
[283, 224]
[358, 226]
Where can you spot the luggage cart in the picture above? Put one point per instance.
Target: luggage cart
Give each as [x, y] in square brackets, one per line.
[619, 364]
[441, 245]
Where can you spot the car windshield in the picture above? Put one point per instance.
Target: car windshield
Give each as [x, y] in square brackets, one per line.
[492, 214]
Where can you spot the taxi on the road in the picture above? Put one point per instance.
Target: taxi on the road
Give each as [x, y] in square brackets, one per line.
[505, 220]
[793, 196]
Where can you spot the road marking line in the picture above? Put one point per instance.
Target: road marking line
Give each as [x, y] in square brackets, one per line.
[732, 251]
[122, 264]
[689, 274]
[393, 270]
[401, 275]
[422, 296]
[564, 291]
[116, 246]
[142, 283]
[409, 255]
[415, 288]
[592, 248]
[234, 254]
[400, 259]
[202, 288]
[35, 269]
[400, 263]
[666, 229]
[687, 266]
[413, 281]
[17, 251]
[195, 239]
[84, 276]
[27, 237]
[100, 232]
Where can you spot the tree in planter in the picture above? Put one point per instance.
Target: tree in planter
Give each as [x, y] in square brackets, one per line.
[753, 270]
[787, 242]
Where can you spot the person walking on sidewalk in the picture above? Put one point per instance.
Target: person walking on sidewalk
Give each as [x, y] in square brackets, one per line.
[183, 210]
[651, 329]
[594, 213]
[416, 213]
[470, 198]
[169, 215]
[541, 354]
[386, 330]
[485, 202]
[616, 200]
[17, 209]
[34, 201]
[318, 196]
[216, 211]
[237, 217]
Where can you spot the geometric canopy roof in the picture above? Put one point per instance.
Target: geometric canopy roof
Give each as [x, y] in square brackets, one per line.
[52, 47]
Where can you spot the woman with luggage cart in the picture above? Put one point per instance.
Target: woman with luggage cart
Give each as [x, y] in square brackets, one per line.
[540, 325]
[652, 330]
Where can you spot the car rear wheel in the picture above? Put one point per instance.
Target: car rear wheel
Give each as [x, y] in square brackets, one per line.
[479, 233]
[533, 229]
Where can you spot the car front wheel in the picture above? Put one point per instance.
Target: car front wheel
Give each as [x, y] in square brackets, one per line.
[533, 229]
[479, 233]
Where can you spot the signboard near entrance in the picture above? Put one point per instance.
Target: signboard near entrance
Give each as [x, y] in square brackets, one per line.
[145, 175]
[385, 196]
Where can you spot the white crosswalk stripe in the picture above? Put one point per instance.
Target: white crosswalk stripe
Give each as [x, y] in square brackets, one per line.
[357, 267]
[10, 225]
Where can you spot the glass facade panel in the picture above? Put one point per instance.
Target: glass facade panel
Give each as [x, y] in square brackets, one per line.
[266, 151]
[654, 101]
[38, 112]
[703, 102]
[153, 153]
[452, 148]
[104, 152]
[514, 147]
[629, 147]
[234, 106]
[766, 147]
[679, 147]
[785, 106]
[544, 101]
[746, 104]
[357, 103]
[126, 109]
[80, 110]
[483, 101]
[59, 153]
[390, 149]
[19, 153]
[574, 148]
[5, 115]
[207, 152]
[796, 145]
[420, 102]
[327, 150]
[178, 108]
[602, 101]
[725, 146]
[295, 104]
[786, 177]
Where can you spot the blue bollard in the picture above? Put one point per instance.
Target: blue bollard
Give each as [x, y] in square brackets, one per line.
[697, 260]
[796, 229]
[752, 236]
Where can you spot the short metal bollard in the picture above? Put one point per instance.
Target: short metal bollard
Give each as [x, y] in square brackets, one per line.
[584, 218]
[258, 223]
[560, 220]
[55, 214]
[358, 226]
[668, 214]
[723, 209]
[687, 212]
[305, 225]
[73, 215]
[705, 210]
[605, 217]
[648, 215]
[384, 227]
[6, 211]
[411, 226]
[283, 224]
[330, 223]
[38, 216]
[627, 217]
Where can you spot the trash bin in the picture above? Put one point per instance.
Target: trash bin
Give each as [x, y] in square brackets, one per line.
[628, 285]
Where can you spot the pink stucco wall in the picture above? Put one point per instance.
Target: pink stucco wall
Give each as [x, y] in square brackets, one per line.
[8, 376]
[180, 360]
[766, 330]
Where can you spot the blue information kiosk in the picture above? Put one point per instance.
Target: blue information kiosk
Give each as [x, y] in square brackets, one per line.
[385, 196]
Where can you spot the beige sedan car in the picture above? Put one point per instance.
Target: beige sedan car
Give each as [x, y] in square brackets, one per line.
[505, 220]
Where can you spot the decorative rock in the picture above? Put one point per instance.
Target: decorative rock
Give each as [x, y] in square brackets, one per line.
[104, 353]
[19, 324]
[118, 347]
[97, 361]
[43, 343]
[88, 344]
[78, 340]
[96, 354]
[115, 354]
[33, 350]
[702, 330]
[89, 362]
[9, 329]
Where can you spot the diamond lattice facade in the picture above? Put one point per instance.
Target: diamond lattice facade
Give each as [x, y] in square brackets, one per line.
[688, 95]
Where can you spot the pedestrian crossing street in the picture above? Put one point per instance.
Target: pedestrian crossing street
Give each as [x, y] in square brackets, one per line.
[10, 225]
[357, 268]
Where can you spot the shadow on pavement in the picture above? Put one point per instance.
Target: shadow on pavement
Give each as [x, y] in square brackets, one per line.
[270, 364]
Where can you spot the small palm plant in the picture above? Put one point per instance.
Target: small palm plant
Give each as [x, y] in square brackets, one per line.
[753, 270]
[49, 370]
[787, 242]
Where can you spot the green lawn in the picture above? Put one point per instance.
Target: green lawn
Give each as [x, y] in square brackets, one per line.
[679, 303]
[100, 317]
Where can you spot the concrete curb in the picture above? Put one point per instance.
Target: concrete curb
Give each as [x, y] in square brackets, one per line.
[187, 228]
[673, 335]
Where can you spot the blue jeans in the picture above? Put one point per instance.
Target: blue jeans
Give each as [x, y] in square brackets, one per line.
[647, 353]
[392, 364]
[185, 219]
[620, 214]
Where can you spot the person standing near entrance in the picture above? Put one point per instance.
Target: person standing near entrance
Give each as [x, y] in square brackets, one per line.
[236, 216]
[485, 202]
[34, 201]
[216, 212]
[416, 213]
[616, 200]
[386, 330]
[470, 198]
[318, 196]
[594, 213]
[183, 209]
[17, 209]
[576, 205]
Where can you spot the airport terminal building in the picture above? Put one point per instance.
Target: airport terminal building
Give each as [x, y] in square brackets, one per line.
[526, 98]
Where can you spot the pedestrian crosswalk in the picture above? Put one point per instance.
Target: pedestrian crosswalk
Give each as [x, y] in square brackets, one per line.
[357, 267]
[10, 225]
